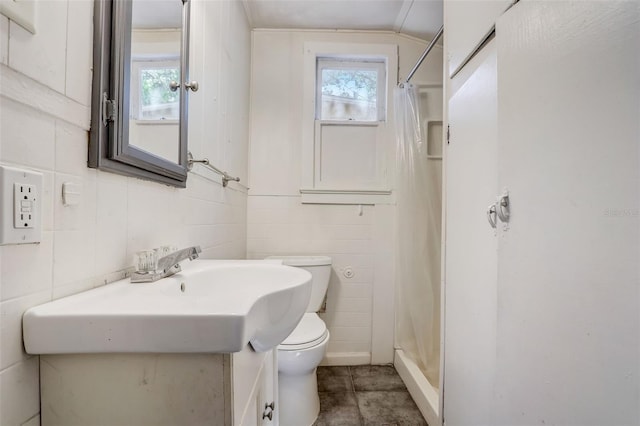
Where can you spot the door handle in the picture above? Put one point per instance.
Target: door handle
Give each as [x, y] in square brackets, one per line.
[491, 215]
[503, 207]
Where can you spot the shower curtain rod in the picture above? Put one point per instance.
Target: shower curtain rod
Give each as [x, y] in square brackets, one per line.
[425, 53]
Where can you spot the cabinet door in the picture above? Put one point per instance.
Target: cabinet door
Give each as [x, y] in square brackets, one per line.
[568, 278]
[470, 299]
[267, 394]
[466, 23]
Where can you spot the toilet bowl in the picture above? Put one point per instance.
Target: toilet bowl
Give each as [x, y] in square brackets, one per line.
[302, 351]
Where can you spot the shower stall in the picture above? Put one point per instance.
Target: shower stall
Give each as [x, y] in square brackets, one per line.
[418, 110]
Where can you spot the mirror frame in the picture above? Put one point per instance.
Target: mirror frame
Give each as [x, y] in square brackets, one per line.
[109, 147]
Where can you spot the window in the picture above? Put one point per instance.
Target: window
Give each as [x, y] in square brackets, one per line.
[347, 139]
[350, 90]
[151, 96]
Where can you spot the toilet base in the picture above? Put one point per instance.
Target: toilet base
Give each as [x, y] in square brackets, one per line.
[299, 401]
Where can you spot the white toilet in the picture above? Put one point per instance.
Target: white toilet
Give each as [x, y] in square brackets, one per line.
[302, 351]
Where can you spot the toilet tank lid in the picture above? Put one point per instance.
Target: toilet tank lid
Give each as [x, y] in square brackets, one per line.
[303, 260]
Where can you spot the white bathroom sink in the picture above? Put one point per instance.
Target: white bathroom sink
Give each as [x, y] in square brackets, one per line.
[211, 306]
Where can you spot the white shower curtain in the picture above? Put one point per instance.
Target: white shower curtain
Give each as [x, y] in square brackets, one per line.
[419, 202]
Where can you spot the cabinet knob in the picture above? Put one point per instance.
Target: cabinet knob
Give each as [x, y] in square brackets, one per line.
[268, 410]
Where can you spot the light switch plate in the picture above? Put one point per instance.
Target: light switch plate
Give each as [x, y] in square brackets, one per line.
[21, 201]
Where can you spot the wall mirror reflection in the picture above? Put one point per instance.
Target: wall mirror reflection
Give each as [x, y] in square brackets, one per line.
[140, 91]
[154, 112]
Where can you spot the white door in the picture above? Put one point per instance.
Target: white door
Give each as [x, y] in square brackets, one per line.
[568, 337]
[470, 298]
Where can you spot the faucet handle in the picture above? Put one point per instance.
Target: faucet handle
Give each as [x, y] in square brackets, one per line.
[146, 260]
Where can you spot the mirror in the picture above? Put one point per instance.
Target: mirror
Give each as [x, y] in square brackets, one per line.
[140, 89]
[154, 102]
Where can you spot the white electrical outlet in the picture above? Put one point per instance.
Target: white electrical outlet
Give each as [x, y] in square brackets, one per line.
[20, 195]
[24, 200]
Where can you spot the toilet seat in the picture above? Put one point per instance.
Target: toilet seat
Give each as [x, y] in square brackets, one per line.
[309, 332]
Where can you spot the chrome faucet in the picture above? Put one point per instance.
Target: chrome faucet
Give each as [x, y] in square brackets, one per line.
[165, 266]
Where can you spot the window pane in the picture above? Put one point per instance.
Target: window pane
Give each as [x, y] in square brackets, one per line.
[349, 94]
[157, 101]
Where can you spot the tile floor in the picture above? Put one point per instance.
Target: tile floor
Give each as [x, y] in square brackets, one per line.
[366, 395]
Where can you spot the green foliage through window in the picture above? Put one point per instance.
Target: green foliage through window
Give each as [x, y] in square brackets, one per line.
[155, 86]
[353, 84]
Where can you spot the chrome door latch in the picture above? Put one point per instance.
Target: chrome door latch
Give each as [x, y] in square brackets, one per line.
[503, 207]
[491, 215]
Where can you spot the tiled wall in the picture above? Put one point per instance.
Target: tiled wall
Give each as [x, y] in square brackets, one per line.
[282, 225]
[44, 121]
[360, 310]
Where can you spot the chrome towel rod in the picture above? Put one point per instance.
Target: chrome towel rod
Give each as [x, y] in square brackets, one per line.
[205, 161]
[425, 53]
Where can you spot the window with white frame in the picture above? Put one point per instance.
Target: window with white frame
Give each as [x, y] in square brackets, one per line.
[350, 89]
[347, 139]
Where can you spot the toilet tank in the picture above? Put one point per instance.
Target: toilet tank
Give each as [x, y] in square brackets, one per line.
[320, 269]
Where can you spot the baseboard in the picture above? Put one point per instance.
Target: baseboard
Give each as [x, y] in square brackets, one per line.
[346, 358]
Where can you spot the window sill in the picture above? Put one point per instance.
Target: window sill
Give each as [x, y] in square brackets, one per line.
[155, 122]
[341, 196]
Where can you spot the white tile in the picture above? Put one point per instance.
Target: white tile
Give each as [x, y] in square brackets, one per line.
[47, 197]
[111, 224]
[41, 56]
[20, 391]
[26, 268]
[351, 334]
[4, 40]
[70, 148]
[349, 305]
[11, 345]
[347, 346]
[81, 215]
[360, 275]
[355, 291]
[201, 212]
[348, 232]
[154, 218]
[28, 136]
[73, 256]
[352, 246]
[79, 50]
[73, 288]
[346, 319]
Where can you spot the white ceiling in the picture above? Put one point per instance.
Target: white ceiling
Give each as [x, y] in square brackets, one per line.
[157, 14]
[419, 18]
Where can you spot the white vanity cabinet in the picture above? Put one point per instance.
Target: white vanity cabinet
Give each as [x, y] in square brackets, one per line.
[159, 389]
[255, 388]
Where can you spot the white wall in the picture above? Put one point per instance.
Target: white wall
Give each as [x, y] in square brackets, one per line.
[45, 86]
[359, 310]
[558, 318]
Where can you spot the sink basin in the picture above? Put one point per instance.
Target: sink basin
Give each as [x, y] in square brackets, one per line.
[210, 307]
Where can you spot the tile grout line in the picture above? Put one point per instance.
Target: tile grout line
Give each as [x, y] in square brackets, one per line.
[355, 394]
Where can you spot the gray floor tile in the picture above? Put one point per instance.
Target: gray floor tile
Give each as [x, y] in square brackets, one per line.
[389, 408]
[338, 409]
[376, 378]
[334, 379]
